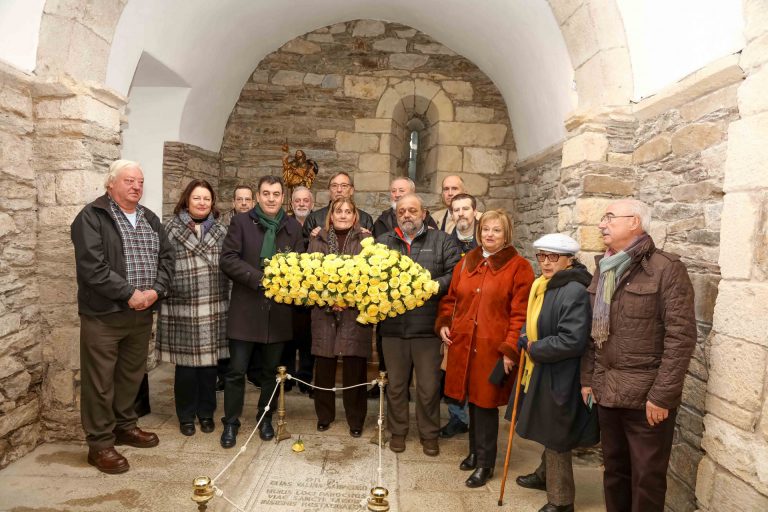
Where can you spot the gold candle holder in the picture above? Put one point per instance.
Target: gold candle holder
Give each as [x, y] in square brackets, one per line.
[377, 502]
[203, 492]
[282, 425]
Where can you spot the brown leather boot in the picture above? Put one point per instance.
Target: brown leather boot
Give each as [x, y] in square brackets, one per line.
[107, 460]
[397, 443]
[136, 437]
[430, 447]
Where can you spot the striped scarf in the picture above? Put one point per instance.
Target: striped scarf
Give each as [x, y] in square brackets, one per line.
[611, 269]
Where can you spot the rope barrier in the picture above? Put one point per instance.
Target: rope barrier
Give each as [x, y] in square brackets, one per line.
[334, 389]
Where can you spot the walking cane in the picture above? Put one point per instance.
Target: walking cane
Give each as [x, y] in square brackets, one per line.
[512, 425]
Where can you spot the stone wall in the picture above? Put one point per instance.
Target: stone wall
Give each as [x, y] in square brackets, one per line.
[345, 95]
[21, 366]
[181, 164]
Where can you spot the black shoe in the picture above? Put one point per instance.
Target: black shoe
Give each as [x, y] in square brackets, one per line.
[479, 477]
[229, 436]
[207, 425]
[266, 432]
[220, 385]
[188, 429]
[556, 508]
[469, 463]
[322, 427]
[531, 481]
[453, 427]
[356, 432]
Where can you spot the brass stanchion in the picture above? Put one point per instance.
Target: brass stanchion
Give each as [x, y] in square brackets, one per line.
[377, 502]
[282, 428]
[203, 492]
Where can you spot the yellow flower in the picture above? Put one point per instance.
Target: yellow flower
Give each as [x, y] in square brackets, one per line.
[372, 311]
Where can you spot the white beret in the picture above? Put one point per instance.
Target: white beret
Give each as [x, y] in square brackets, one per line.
[558, 243]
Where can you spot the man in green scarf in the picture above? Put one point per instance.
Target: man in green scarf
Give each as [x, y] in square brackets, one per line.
[256, 326]
[643, 336]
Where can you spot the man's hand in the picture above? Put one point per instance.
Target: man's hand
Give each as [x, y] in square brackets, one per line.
[655, 414]
[445, 333]
[150, 297]
[508, 365]
[137, 301]
[314, 232]
[585, 392]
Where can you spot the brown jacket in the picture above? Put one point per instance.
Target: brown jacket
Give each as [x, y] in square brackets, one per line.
[339, 334]
[652, 335]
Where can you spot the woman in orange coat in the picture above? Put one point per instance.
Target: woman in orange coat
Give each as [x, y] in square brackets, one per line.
[479, 321]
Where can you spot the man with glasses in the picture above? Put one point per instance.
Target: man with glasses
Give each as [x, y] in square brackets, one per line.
[242, 202]
[339, 186]
[643, 335]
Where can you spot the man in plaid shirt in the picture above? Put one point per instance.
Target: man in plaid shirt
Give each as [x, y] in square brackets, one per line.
[124, 265]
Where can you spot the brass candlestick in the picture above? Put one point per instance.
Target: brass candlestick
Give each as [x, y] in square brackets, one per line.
[380, 436]
[282, 428]
[203, 492]
[377, 502]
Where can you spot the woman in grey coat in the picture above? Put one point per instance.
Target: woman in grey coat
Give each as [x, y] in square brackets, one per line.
[191, 328]
[335, 332]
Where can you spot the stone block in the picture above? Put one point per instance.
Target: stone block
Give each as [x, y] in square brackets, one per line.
[475, 114]
[755, 18]
[425, 89]
[301, 47]
[375, 163]
[338, 28]
[589, 147]
[60, 385]
[747, 154]
[16, 101]
[409, 61]
[738, 239]
[9, 323]
[368, 28]
[356, 142]
[313, 79]
[705, 481]
[7, 225]
[732, 413]
[603, 184]
[82, 108]
[458, 89]
[326, 134]
[391, 145]
[471, 134]
[260, 76]
[406, 34]
[696, 192]
[484, 160]
[78, 187]
[433, 49]
[373, 126]
[580, 36]
[332, 82]
[320, 38]
[605, 78]
[732, 494]
[22, 415]
[364, 87]
[449, 159]
[684, 461]
[9, 365]
[696, 137]
[705, 293]
[722, 98]
[390, 44]
[751, 95]
[755, 53]
[590, 210]
[87, 56]
[655, 149]
[372, 181]
[440, 108]
[16, 386]
[288, 78]
[740, 311]
[388, 104]
[694, 392]
[102, 17]
[737, 370]
[590, 239]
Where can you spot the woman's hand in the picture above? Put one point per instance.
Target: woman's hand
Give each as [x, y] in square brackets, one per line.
[445, 333]
[338, 309]
[314, 232]
[508, 365]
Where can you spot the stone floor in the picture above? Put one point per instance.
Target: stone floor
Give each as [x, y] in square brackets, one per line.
[335, 472]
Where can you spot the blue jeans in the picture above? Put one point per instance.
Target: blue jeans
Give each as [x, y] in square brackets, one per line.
[460, 412]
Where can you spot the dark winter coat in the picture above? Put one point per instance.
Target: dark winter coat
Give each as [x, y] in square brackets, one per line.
[484, 309]
[252, 316]
[553, 412]
[652, 335]
[192, 325]
[436, 252]
[339, 334]
[387, 222]
[102, 287]
[317, 218]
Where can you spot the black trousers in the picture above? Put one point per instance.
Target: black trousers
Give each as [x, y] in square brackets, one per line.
[194, 389]
[354, 371]
[483, 433]
[240, 353]
[301, 346]
[636, 456]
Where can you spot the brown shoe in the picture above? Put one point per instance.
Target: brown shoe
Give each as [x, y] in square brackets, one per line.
[108, 460]
[397, 443]
[136, 438]
[430, 447]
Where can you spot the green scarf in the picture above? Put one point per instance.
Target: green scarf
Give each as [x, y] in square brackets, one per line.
[269, 247]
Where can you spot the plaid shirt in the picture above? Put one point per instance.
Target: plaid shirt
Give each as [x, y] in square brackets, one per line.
[141, 246]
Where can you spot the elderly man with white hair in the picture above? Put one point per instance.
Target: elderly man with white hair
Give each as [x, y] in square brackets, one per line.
[643, 335]
[124, 264]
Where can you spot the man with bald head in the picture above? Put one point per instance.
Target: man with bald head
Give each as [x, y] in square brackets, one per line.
[452, 186]
[643, 335]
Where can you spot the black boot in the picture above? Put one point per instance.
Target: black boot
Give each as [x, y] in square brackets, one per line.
[266, 432]
[556, 508]
[479, 477]
[469, 463]
[531, 481]
[229, 436]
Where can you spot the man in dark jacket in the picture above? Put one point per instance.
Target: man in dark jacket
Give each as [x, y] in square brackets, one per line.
[339, 186]
[408, 340]
[387, 221]
[255, 323]
[643, 335]
[124, 265]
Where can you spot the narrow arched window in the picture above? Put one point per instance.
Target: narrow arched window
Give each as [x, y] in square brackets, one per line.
[413, 155]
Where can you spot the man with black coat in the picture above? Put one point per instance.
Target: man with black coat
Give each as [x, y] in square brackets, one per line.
[256, 324]
[408, 340]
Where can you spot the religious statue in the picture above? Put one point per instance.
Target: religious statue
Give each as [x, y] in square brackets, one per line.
[298, 170]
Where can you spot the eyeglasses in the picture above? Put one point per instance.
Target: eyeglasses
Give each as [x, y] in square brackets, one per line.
[340, 186]
[608, 217]
[540, 257]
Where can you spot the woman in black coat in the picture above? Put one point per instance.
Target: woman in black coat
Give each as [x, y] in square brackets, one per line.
[552, 411]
